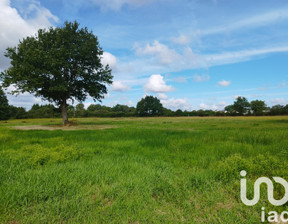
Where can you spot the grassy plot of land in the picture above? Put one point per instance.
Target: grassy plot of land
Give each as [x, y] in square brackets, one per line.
[139, 170]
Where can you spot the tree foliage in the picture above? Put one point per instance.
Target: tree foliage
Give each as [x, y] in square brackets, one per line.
[4, 106]
[43, 111]
[258, 107]
[241, 105]
[149, 106]
[80, 110]
[94, 107]
[279, 109]
[17, 112]
[59, 64]
[229, 109]
[3, 98]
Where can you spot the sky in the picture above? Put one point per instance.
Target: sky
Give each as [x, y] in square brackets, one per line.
[191, 54]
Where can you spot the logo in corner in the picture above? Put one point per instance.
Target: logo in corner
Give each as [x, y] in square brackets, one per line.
[270, 189]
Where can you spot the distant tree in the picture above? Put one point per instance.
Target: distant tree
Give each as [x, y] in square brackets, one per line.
[80, 110]
[43, 111]
[120, 108]
[123, 110]
[201, 113]
[59, 64]
[17, 112]
[277, 110]
[241, 105]
[229, 109]
[132, 111]
[219, 113]
[3, 98]
[168, 112]
[105, 109]
[93, 110]
[204, 113]
[258, 107]
[4, 106]
[71, 111]
[286, 109]
[179, 112]
[193, 113]
[149, 106]
[94, 107]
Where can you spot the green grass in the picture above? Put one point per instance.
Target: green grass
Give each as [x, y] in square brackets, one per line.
[144, 170]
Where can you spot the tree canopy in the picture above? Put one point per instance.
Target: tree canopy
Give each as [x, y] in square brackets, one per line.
[59, 64]
[258, 107]
[149, 106]
[241, 105]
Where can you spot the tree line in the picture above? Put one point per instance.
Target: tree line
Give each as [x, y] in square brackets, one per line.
[146, 107]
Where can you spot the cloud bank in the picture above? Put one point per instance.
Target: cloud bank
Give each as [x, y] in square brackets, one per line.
[14, 27]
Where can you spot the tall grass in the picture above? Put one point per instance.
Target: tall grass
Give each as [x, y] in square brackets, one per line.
[152, 170]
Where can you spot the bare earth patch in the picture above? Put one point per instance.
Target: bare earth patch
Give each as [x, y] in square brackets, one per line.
[64, 128]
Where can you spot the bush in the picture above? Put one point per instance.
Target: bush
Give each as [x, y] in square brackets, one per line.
[229, 169]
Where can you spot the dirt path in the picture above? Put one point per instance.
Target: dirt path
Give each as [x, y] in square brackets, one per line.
[64, 128]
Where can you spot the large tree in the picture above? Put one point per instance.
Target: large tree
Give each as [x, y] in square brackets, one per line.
[59, 64]
[149, 106]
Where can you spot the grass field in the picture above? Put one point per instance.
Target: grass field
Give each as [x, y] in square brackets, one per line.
[139, 170]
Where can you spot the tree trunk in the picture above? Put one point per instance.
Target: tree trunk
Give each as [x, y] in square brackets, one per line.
[64, 113]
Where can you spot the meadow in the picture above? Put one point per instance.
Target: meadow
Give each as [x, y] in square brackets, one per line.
[138, 170]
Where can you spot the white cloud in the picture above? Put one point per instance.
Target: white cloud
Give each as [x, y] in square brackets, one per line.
[283, 84]
[118, 4]
[280, 101]
[236, 96]
[181, 79]
[130, 103]
[214, 106]
[175, 104]
[204, 106]
[163, 59]
[42, 16]
[161, 51]
[159, 56]
[201, 78]
[25, 100]
[14, 27]
[107, 96]
[156, 84]
[238, 56]
[162, 96]
[109, 59]
[263, 19]
[190, 59]
[118, 86]
[224, 83]
[86, 104]
[222, 103]
[182, 39]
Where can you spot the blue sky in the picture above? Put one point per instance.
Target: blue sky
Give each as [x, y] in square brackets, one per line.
[191, 54]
